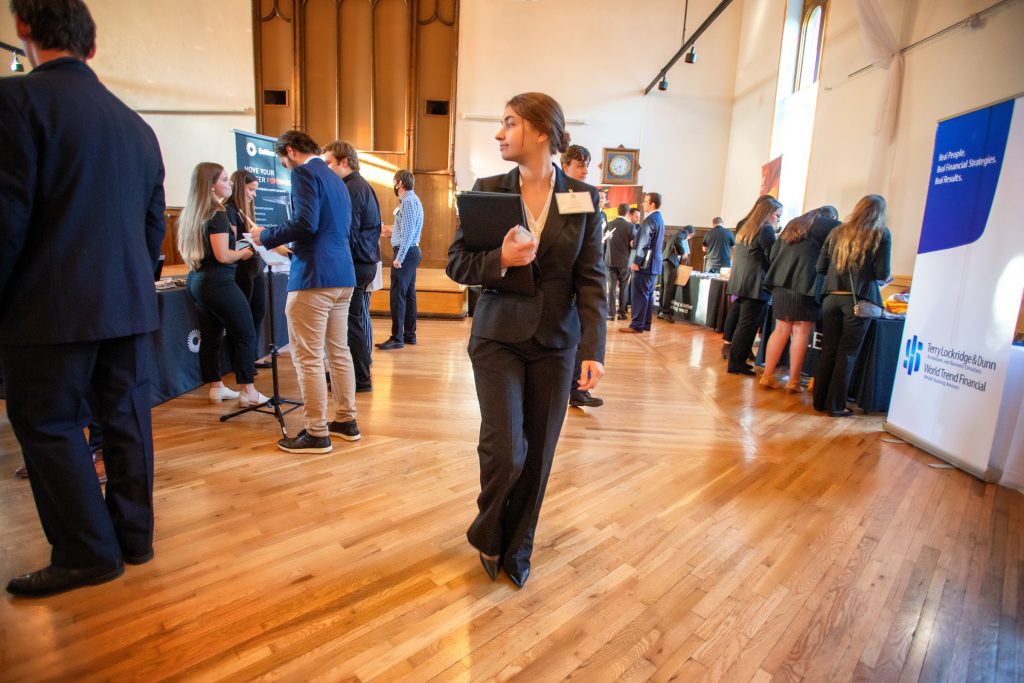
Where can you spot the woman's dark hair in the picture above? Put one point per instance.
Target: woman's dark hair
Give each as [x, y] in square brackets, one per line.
[544, 114]
[407, 179]
[798, 228]
[575, 153]
[828, 211]
[239, 179]
[339, 149]
[297, 140]
[58, 24]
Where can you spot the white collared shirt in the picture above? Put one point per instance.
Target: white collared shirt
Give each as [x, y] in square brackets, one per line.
[536, 224]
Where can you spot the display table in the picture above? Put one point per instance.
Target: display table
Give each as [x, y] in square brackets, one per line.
[174, 354]
[874, 371]
[702, 300]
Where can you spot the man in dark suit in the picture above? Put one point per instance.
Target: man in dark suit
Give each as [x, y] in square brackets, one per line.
[677, 253]
[320, 287]
[81, 225]
[717, 244]
[646, 264]
[364, 238]
[618, 262]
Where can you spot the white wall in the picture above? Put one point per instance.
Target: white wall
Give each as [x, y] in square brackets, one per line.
[962, 70]
[595, 57]
[179, 55]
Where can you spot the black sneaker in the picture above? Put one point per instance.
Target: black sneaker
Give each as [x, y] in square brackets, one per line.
[306, 443]
[583, 399]
[346, 430]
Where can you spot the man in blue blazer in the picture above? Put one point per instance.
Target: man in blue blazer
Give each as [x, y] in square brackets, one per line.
[646, 265]
[81, 225]
[320, 288]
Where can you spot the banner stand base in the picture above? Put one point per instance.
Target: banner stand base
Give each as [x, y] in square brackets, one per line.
[989, 476]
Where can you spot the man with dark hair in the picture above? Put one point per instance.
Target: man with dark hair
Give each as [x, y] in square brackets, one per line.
[646, 264]
[405, 240]
[575, 161]
[364, 239]
[621, 233]
[320, 287]
[717, 245]
[77, 297]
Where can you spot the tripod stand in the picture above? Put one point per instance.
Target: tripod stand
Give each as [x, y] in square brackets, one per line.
[275, 402]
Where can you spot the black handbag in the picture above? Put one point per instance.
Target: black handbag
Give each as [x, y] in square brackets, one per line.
[862, 308]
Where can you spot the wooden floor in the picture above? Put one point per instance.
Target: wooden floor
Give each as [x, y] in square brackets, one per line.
[695, 528]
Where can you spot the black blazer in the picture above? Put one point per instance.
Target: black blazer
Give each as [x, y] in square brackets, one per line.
[365, 233]
[569, 307]
[81, 210]
[618, 243]
[749, 265]
[875, 269]
[793, 266]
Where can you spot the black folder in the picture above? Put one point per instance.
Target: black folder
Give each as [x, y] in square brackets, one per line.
[486, 217]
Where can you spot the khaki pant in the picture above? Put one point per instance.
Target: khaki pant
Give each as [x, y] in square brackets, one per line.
[318, 321]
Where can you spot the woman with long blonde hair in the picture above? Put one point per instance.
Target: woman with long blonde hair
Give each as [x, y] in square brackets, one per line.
[754, 239]
[206, 241]
[855, 259]
[791, 277]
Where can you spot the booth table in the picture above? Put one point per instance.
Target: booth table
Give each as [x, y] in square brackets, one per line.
[875, 369]
[702, 300]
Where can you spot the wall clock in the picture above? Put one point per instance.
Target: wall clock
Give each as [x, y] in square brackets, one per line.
[619, 166]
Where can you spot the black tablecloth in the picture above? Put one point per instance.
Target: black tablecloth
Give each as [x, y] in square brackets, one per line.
[702, 301]
[874, 371]
[174, 355]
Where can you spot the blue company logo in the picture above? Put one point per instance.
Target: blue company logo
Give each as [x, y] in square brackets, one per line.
[912, 360]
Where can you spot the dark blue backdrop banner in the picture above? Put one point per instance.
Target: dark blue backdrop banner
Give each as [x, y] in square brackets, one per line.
[255, 154]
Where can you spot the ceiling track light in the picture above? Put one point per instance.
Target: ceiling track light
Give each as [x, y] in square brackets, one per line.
[16, 66]
[691, 56]
[663, 86]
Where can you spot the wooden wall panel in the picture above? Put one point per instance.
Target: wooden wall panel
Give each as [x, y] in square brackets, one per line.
[319, 44]
[436, 190]
[435, 68]
[275, 63]
[392, 55]
[355, 83]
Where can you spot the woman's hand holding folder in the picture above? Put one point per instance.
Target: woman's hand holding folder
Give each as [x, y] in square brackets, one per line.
[519, 248]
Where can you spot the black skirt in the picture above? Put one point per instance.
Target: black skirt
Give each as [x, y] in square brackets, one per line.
[792, 307]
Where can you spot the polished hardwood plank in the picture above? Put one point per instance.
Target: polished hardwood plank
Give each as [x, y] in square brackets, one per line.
[696, 528]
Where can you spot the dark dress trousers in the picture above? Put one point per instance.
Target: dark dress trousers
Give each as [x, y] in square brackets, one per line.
[649, 244]
[364, 237]
[618, 264]
[81, 225]
[522, 349]
[842, 333]
[746, 283]
[249, 275]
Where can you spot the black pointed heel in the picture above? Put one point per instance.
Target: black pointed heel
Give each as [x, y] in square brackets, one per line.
[492, 567]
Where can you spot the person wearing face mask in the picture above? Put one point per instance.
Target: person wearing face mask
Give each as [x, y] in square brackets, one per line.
[206, 240]
[754, 239]
[405, 240]
[521, 346]
[249, 275]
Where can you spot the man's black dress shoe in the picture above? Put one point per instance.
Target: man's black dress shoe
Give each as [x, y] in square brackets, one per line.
[137, 559]
[518, 577]
[410, 340]
[364, 388]
[845, 412]
[492, 567]
[52, 580]
[745, 370]
[391, 343]
[583, 399]
[263, 365]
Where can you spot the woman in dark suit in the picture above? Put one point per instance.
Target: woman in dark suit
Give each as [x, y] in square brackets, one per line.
[522, 346]
[754, 239]
[206, 241]
[791, 277]
[249, 274]
[854, 258]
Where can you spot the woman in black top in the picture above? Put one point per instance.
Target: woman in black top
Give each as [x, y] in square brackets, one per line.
[206, 240]
[855, 258]
[791, 278]
[754, 239]
[522, 345]
[249, 274]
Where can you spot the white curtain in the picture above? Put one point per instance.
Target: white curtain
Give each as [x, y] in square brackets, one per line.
[884, 52]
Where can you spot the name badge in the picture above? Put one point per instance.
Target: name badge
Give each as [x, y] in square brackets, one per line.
[574, 202]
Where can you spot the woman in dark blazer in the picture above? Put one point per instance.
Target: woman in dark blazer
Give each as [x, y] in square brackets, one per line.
[754, 239]
[791, 277]
[854, 258]
[249, 274]
[522, 347]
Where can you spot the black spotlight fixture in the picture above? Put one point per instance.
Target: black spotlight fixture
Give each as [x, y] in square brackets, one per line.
[691, 56]
[16, 66]
[663, 86]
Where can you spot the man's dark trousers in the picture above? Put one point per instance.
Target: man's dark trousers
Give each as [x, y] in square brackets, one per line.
[643, 300]
[618, 279]
[360, 327]
[48, 391]
[403, 297]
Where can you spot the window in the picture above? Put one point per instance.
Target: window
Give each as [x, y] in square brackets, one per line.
[811, 34]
